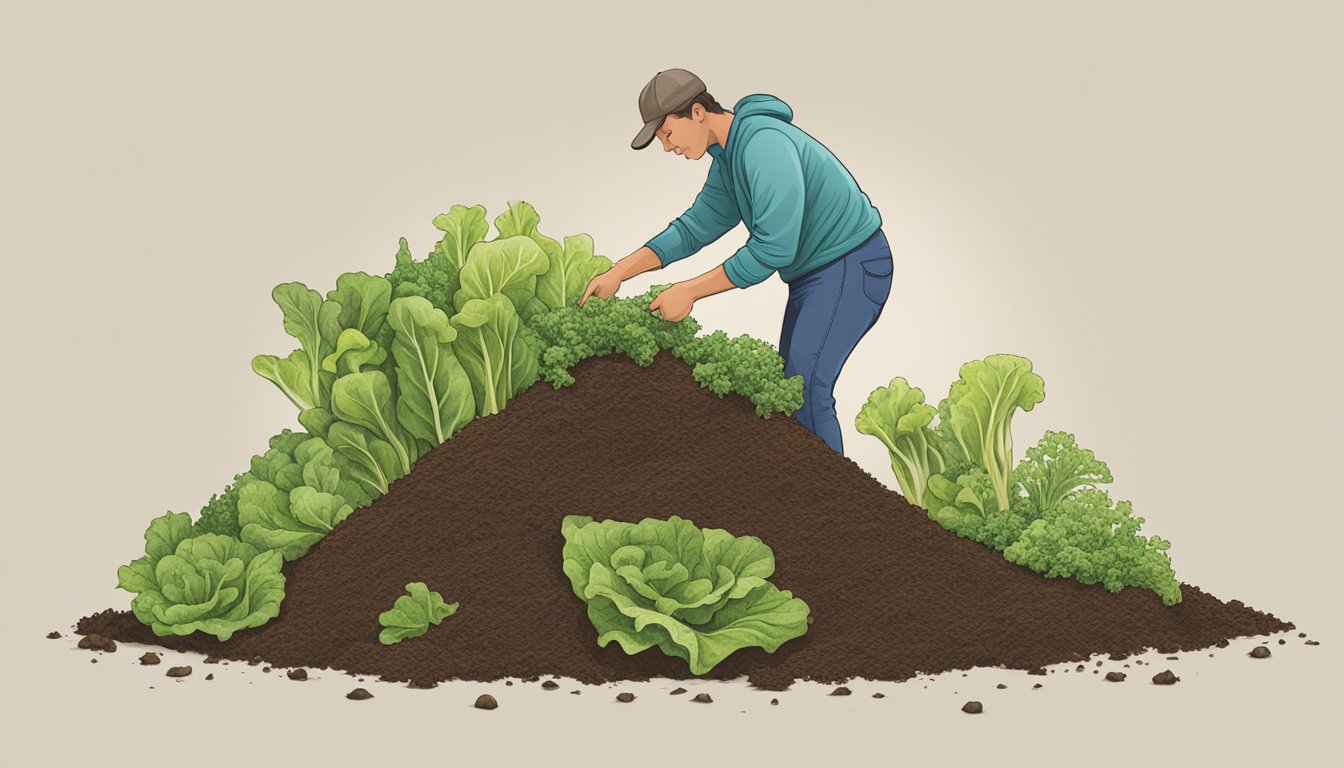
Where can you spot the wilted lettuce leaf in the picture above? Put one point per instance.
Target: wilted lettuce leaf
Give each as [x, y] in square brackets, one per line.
[411, 615]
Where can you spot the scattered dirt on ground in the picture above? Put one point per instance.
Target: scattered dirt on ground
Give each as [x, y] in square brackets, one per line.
[893, 595]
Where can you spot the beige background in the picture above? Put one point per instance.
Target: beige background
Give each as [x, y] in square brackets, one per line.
[1144, 198]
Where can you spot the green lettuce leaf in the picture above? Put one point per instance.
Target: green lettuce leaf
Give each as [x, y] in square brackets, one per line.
[981, 404]
[896, 415]
[412, 615]
[209, 583]
[288, 522]
[696, 595]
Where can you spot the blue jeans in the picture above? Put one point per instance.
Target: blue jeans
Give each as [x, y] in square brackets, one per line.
[829, 310]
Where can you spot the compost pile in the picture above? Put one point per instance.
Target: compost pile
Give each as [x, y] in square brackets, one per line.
[892, 593]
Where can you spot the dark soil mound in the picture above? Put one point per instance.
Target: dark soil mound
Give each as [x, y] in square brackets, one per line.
[892, 593]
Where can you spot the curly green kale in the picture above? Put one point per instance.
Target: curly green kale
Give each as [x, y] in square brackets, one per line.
[220, 514]
[1091, 541]
[600, 327]
[743, 365]
[1056, 469]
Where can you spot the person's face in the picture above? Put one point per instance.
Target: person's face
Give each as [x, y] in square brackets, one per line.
[687, 136]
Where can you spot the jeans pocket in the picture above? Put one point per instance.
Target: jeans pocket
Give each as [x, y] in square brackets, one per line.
[877, 279]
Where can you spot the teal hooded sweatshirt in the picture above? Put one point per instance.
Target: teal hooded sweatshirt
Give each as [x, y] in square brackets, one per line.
[801, 206]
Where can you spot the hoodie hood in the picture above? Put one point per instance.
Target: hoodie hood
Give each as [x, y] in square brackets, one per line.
[762, 104]
[750, 114]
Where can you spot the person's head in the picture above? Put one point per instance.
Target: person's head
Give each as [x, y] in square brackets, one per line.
[677, 109]
[687, 131]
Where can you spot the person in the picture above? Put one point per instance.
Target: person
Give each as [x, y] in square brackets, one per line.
[807, 218]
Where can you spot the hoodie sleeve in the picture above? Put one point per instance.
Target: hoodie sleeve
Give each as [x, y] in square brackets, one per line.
[775, 187]
[713, 213]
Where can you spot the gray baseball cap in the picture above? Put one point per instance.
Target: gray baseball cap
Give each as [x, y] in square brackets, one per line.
[668, 91]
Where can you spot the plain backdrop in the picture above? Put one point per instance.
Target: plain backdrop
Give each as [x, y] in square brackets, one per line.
[1145, 199]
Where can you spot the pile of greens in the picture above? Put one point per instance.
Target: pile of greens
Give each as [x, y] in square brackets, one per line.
[390, 366]
[1046, 513]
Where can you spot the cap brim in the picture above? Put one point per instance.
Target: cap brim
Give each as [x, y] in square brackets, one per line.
[645, 134]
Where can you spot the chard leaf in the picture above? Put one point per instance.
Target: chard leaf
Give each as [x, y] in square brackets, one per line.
[435, 397]
[293, 375]
[363, 300]
[374, 463]
[317, 421]
[365, 399]
[569, 272]
[509, 266]
[490, 347]
[316, 324]
[353, 351]
[463, 228]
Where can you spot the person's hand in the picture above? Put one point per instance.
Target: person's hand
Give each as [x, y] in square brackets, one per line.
[674, 303]
[603, 286]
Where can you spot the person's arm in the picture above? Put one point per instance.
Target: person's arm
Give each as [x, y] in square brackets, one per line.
[713, 213]
[637, 263]
[775, 178]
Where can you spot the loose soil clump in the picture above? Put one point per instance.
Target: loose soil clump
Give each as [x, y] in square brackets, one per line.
[892, 593]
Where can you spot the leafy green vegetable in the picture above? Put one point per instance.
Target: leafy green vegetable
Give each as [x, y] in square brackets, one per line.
[279, 467]
[364, 404]
[363, 302]
[288, 522]
[981, 404]
[1054, 470]
[316, 324]
[208, 583]
[509, 266]
[1091, 541]
[896, 415]
[354, 350]
[436, 278]
[1047, 513]
[745, 366]
[570, 272]
[435, 396]
[220, 514]
[291, 500]
[966, 508]
[698, 595]
[498, 359]
[411, 615]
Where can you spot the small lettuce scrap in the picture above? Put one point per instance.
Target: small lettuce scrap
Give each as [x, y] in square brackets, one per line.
[698, 595]
[412, 614]
[206, 583]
